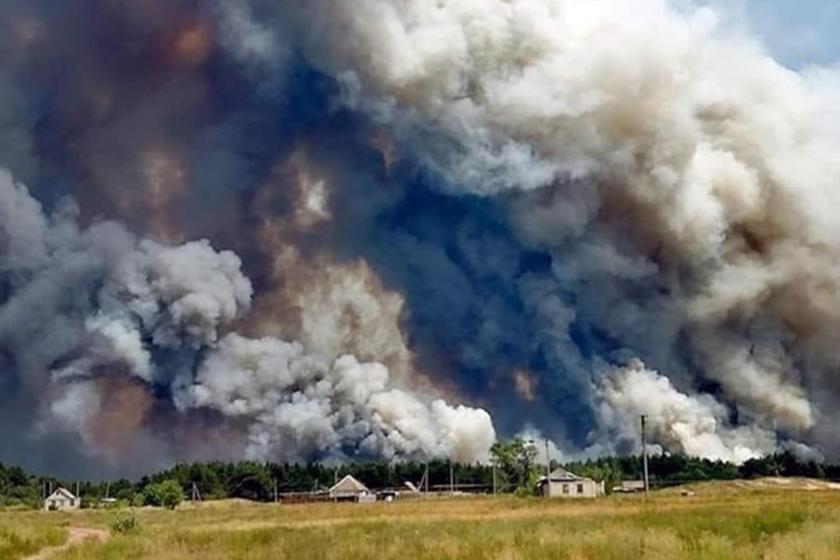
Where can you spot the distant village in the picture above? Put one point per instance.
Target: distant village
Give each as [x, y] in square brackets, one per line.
[510, 472]
[560, 483]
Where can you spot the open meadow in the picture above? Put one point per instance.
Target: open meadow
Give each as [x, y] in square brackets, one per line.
[720, 521]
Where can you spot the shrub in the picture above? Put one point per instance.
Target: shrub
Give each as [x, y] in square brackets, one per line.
[124, 523]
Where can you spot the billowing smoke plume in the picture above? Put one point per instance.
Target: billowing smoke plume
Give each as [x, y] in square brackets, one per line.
[88, 309]
[698, 425]
[567, 213]
[305, 406]
[684, 191]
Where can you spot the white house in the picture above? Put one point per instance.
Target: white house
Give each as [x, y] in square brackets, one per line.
[60, 500]
[350, 489]
[564, 484]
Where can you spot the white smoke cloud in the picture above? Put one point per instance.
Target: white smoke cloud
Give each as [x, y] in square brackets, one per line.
[73, 409]
[694, 424]
[303, 404]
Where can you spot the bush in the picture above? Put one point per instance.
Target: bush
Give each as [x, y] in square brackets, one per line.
[117, 504]
[125, 523]
[164, 494]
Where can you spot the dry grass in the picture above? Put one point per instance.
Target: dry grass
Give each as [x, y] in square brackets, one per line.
[753, 523]
[18, 540]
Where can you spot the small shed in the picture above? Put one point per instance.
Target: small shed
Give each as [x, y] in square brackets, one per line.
[61, 500]
[348, 489]
[564, 484]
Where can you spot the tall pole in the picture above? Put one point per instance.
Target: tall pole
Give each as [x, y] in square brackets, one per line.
[426, 478]
[451, 478]
[547, 462]
[645, 457]
[275, 490]
[494, 478]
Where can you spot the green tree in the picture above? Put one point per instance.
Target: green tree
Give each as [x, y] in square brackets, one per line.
[164, 494]
[516, 463]
[251, 481]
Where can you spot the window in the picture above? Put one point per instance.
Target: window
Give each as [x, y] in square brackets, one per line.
[72, 503]
[565, 488]
[580, 488]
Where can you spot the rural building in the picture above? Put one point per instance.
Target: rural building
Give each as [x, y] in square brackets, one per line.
[563, 484]
[60, 500]
[630, 487]
[349, 489]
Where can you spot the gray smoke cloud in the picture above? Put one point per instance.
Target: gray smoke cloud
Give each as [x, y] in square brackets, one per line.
[659, 153]
[87, 308]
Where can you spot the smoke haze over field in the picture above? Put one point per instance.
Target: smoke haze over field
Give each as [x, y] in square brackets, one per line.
[397, 228]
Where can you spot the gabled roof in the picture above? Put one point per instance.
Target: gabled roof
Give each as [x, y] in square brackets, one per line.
[561, 474]
[349, 485]
[62, 493]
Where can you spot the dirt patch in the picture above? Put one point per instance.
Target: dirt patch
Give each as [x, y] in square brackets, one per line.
[759, 484]
[75, 535]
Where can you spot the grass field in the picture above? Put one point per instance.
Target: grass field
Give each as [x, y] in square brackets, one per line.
[719, 521]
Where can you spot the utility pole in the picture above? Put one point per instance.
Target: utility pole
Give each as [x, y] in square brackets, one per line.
[275, 490]
[451, 477]
[547, 462]
[426, 478]
[494, 478]
[645, 457]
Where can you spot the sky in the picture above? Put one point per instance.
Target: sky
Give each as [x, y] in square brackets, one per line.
[799, 33]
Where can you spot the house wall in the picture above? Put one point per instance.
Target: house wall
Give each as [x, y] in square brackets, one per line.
[572, 489]
[61, 504]
[352, 496]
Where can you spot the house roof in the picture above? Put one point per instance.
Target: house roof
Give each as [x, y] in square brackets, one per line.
[562, 475]
[62, 493]
[349, 485]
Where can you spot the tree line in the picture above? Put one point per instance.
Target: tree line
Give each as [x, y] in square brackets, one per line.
[514, 468]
